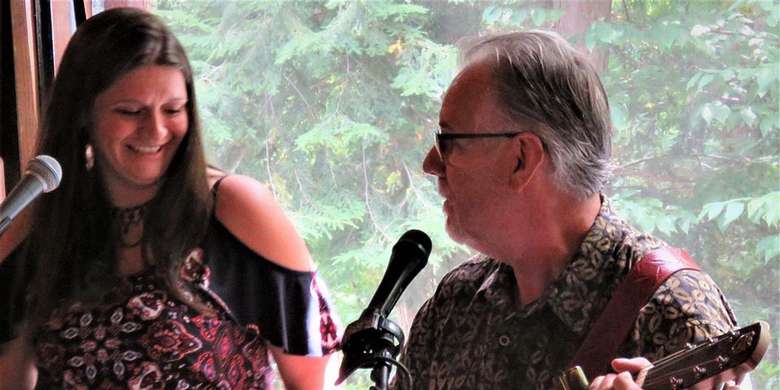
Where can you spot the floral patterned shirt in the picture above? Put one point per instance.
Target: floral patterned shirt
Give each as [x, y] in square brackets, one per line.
[474, 334]
[149, 340]
[140, 336]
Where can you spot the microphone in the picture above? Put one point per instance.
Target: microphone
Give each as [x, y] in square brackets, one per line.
[410, 254]
[43, 174]
[373, 340]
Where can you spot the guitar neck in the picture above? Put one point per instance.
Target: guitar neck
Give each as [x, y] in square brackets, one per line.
[721, 358]
[726, 356]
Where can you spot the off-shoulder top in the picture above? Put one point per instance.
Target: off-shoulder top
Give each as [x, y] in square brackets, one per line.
[141, 336]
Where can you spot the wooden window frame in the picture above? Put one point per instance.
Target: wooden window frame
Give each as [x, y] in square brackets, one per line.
[40, 31]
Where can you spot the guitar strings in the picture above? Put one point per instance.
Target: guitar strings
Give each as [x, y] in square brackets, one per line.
[661, 365]
[654, 379]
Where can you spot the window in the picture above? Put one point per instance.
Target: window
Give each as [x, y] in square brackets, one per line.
[329, 103]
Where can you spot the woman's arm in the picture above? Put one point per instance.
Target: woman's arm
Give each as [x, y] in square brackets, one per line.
[15, 234]
[17, 366]
[251, 213]
[302, 372]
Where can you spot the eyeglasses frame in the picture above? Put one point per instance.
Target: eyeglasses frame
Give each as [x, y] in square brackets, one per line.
[439, 136]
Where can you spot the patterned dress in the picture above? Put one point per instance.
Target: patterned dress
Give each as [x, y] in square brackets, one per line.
[140, 336]
[474, 334]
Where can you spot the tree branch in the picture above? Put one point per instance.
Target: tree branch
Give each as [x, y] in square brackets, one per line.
[268, 166]
[699, 156]
[298, 91]
[367, 200]
[625, 11]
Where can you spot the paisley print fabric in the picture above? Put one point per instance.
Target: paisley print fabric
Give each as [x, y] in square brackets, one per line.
[474, 334]
[142, 337]
[150, 340]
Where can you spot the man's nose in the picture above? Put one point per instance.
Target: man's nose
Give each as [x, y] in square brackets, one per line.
[432, 164]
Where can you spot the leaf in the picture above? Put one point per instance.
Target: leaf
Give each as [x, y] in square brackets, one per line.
[707, 114]
[745, 74]
[721, 112]
[538, 16]
[699, 30]
[768, 123]
[619, 116]
[711, 210]
[704, 80]
[553, 15]
[769, 247]
[765, 208]
[685, 221]
[754, 208]
[667, 34]
[772, 216]
[766, 77]
[665, 224]
[491, 14]
[515, 16]
[748, 116]
[733, 211]
[774, 13]
[602, 32]
[693, 80]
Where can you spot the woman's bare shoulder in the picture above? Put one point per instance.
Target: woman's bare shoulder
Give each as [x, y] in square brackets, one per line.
[250, 211]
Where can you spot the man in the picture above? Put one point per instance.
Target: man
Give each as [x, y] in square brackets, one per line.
[521, 157]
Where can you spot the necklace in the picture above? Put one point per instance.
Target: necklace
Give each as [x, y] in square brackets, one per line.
[127, 219]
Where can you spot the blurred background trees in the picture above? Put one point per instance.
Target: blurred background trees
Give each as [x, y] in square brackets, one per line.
[333, 104]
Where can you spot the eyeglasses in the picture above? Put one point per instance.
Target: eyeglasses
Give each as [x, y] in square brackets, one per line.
[444, 140]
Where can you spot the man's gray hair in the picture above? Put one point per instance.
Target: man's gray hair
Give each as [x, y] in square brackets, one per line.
[543, 82]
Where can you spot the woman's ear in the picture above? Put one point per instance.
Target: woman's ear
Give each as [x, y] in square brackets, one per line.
[530, 155]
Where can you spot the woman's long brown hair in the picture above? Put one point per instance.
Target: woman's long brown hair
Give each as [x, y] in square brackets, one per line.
[71, 250]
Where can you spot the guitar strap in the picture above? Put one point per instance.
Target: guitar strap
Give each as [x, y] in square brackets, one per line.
[612, 326]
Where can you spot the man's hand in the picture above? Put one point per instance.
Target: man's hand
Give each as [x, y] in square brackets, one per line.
[626, 368]
[623, 380]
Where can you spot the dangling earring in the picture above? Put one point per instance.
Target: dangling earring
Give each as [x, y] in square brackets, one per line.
[89, 157]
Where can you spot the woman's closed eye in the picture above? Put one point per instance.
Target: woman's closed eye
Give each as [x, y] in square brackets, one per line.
[172, 111]
[128, 111]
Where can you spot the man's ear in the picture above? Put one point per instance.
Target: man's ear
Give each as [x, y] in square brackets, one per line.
[530, 153]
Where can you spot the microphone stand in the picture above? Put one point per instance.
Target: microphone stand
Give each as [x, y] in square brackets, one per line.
[372, 342]
[4, 225]
[380, 374]
[388, 346]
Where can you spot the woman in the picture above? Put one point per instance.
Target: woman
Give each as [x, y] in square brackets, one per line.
[146, 269]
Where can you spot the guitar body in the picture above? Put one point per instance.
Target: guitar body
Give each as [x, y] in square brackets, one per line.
[702, 366]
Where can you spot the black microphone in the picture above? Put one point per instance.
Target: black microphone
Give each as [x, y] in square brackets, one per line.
[43, 174]
[410, 254]
[373, 339]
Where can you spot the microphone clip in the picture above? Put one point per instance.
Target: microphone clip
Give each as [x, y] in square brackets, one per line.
[373, 341]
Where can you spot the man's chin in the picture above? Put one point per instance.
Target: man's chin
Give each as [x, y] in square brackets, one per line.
[456, 233]
[462, 237]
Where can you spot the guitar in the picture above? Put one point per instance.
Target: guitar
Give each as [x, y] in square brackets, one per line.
[715, 360]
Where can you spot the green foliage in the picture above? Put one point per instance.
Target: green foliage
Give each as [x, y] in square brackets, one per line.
[330, 103]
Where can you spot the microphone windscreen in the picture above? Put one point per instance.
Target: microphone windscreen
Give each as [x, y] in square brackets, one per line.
[420, 238]
[48, 169]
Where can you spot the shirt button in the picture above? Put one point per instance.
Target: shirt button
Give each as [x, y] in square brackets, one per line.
[504, 340]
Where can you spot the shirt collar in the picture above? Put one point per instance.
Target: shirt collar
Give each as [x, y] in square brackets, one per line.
[574, 295]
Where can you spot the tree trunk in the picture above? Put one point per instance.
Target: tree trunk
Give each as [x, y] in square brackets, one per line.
[577, 17]
[143, 4]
